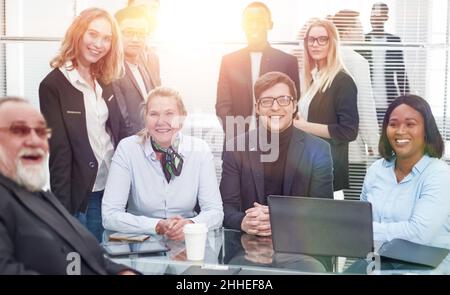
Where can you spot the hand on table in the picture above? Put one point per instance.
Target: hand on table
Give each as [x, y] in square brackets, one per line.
[257, 220]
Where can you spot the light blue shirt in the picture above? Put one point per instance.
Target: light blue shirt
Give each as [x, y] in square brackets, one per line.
[416, 209]
[136, 177]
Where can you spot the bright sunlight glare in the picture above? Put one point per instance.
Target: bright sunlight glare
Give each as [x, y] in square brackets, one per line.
[196, 22]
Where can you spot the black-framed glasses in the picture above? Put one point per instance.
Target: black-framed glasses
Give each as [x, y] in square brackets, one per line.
[321, 40]
[131, 33]
[24, 130]
[283, 101]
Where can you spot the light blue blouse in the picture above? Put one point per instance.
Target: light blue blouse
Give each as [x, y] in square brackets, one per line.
[136, 178]
[416, 209]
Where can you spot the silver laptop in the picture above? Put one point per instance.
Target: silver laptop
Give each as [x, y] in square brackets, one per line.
[316, 226]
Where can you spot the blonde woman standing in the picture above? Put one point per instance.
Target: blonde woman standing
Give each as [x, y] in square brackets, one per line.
[328, 106]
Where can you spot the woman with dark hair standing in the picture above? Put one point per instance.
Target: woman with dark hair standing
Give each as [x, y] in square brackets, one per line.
[409, 188]
[83, 115]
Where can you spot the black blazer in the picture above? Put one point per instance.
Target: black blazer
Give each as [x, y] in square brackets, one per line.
[128, 94]
[33, 240]
[394, 67]
[73, 166]
[235, 89]
[308, 173]
[337, 108]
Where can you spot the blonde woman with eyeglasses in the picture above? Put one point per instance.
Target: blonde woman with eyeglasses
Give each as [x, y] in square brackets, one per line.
[328, 107]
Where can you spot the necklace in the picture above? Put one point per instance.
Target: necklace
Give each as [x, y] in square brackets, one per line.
[399, 174]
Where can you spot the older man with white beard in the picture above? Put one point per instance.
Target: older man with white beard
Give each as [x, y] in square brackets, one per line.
[37, 234]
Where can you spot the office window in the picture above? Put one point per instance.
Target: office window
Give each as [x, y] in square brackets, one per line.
[192, 36]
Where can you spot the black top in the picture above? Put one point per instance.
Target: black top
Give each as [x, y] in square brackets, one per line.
[337, 108]
[307, 172]
[274, 171]
[72, 163]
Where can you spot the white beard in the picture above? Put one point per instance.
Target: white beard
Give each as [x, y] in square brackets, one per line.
[33, 177]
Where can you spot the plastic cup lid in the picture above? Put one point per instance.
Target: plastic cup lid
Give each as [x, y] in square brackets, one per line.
[195, 228]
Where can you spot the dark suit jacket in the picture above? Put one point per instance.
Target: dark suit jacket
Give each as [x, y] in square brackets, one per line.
[73, 166]
[235, 89]
[394, 67]
[308, 172]
[337, 108]
[128, 95]
[33, 240]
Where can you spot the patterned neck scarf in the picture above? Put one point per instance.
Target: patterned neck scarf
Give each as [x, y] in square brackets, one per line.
[171, 161]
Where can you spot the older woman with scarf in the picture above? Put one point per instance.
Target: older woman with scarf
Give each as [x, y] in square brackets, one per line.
[159, 176]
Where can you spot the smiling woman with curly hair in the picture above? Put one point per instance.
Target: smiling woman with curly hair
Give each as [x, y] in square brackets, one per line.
[83, 114]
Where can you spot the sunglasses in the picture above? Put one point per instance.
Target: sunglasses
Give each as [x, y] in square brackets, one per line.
[24, 130]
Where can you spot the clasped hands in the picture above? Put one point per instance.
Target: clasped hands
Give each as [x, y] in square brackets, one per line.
[257, 221]
[172, 228]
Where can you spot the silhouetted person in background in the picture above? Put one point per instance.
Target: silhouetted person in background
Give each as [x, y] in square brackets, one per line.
[387, 67]
[350, 30]
[240, 69]
[151, 8]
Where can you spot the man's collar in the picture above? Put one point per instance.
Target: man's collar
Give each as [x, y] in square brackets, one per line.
[13, 185]
[8, 181]
[264, 50]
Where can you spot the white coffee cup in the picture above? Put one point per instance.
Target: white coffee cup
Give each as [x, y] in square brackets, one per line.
[195, 239]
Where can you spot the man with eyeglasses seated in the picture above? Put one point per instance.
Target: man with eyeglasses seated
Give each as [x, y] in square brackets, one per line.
[274, 159]
[37, 234]
[141, 67]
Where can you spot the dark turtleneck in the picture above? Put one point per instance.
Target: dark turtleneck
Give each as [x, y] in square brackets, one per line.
[274, 171]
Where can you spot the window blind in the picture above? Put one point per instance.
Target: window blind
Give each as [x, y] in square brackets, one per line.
[190, 61]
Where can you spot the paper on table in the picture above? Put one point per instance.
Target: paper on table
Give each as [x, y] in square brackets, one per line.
[128, 237]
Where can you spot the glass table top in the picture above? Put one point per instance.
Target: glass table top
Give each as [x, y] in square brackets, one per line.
[234, 252]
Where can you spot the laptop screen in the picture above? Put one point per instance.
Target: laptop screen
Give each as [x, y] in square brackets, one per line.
[317, 226]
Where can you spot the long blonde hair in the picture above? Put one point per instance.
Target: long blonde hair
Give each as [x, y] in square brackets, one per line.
[109, 67]
[334, 62]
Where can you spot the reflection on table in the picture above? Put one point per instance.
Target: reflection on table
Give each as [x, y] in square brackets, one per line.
[231, 251]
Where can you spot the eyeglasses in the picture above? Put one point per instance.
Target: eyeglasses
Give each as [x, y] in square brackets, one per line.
[131, 34]
[283, 101]
[24, 130]
[322, 40]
